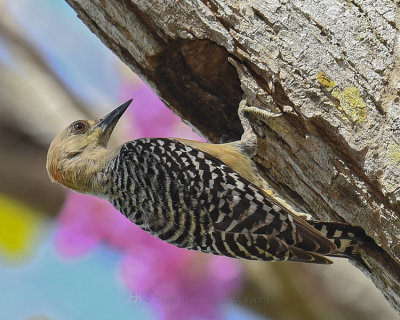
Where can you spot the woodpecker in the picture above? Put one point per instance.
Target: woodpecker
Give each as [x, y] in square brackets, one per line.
[194, 195]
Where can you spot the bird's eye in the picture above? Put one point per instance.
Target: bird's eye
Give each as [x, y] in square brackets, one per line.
[79, 127]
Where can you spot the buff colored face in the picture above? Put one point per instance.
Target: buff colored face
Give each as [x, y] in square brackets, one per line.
[80, 136]
[80, 149]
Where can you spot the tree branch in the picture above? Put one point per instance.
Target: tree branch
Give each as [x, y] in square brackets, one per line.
[332, 70]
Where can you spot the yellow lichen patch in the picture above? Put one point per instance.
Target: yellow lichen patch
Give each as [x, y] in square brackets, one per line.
[351, 104]
[394, 152]
[324, 80]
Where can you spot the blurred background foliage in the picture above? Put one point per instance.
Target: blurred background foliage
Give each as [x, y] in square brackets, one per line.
[69, 256]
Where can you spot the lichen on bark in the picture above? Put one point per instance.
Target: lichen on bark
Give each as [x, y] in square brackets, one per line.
[330, 67]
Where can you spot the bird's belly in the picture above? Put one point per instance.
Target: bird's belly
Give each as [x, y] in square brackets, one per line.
[181, 220]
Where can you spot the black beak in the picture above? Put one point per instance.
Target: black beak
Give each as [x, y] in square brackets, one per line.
[108, 123]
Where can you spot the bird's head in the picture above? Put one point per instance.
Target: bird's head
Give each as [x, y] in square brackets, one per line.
[79, 151]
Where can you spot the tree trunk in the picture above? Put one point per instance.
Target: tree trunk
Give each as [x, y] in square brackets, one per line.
[329, 68]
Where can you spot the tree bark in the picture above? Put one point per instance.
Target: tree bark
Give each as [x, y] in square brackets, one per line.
[330, 70]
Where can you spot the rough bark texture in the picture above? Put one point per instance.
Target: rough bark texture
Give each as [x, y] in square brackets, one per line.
[330, 68]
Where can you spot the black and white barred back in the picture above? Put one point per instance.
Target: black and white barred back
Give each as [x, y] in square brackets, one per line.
[193, 200]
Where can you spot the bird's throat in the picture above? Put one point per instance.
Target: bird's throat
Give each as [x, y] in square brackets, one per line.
[83, 172]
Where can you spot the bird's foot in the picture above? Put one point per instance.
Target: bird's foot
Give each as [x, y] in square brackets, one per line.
[244, 112]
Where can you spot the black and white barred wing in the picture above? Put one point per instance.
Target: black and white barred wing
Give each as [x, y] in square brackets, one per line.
[247, 223]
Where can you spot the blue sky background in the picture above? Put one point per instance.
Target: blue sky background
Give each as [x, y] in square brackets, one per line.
[73, 51]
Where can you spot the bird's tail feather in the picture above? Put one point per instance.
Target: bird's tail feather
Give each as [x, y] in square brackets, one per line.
[347, 238]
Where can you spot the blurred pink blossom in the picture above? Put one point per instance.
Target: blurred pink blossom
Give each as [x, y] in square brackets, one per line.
[179, 284]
